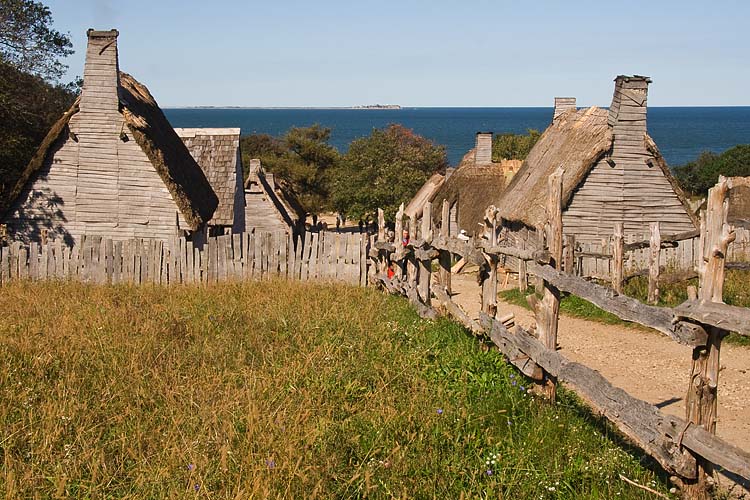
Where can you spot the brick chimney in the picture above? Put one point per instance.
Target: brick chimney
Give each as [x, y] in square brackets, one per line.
[627, 114]
[254, 168]
[483, 148]
[101, 76]
[563, 104]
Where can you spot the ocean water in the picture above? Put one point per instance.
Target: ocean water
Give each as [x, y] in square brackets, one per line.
[680, 132]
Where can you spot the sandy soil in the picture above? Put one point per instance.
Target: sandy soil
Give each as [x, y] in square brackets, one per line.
[646, 364]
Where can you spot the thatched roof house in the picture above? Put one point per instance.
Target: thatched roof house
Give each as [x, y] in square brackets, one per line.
[474, 185]
[739, 207]
[217, 152]
[426, 193]
[613, 172]
[111, 166]
[269, 204]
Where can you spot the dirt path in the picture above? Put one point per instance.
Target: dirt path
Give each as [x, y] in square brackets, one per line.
[646, 364]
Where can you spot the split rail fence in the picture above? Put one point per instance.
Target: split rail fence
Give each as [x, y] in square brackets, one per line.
[251, 255]
[687, 448]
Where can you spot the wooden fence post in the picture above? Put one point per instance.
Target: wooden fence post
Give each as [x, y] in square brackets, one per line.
[425, 265]
[399, 232]
[653, 263]
[547, 310]
[523, 279]
[445, 256]
[489, 284]
[701, 401]
[618, 257]
[569, 254]
[411, 265]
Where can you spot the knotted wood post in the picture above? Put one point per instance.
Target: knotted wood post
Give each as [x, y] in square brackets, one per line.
[445, 256]
[701, 401]
[425, 264]
[653, 263]
[382, 257]
[523, 280]
[489, 284]
[547, 310]
[618, 257]
[398, 255]
[411, 265]
[569, 254]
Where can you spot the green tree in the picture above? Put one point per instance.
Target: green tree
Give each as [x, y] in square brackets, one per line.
[696, 177]
[303, 158]
[31, 99]
[513, 146]
[384, 170]
[29, 43]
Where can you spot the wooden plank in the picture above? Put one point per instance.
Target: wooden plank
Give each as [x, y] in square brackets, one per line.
[117, 262]
[33, 261]
[283, 248]
[23, 263]
[237, 256]
[618, 254]
[222, 263]
[363, 260]
[257, 256]
[626, 308]
[653, 264]
[109, 255]
[314, 267]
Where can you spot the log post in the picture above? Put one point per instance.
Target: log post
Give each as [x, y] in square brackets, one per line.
[489, 284]
[381, 225]
[399, 252]
[445, 256]
[701, 401]
[425, 266]
[523, 280]
[411, 265]
[547, 310]
[569, 254]
[618, 257]
[653, 263]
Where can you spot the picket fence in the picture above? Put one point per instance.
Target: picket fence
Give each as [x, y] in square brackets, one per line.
[241, 256]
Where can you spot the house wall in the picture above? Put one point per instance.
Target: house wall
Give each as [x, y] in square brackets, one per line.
[97, 180]
[633, 189]
[260, 212]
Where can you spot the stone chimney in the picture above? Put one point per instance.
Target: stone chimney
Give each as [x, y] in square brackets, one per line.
[627, 114]
[563, 104]
[483, 148]
[101, 76]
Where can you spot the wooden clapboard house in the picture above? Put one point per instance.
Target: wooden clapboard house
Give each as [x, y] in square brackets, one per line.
[613, 173]
[111, 166]
[217, 152]
[269, 204]
[476, 183]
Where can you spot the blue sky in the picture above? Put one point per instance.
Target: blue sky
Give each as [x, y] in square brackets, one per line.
[420, 53]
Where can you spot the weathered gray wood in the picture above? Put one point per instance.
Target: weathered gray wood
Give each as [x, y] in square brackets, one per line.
[109, 255]
[33, 261]
[445, 256]
[618, 257]
[626, 308]
[117, 262]
[314, 243]
[653, 264]
[723, 316]
[667, 240]
[424, 269]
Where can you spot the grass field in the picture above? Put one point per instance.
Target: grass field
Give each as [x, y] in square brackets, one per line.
[278, 390]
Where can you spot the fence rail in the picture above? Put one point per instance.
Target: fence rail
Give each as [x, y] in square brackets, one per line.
[241, 256]
[687, 448]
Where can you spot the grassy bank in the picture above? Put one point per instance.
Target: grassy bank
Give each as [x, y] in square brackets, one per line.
[272, 390]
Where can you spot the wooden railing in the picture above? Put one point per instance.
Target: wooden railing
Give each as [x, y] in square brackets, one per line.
[687, 448]
[315, 256]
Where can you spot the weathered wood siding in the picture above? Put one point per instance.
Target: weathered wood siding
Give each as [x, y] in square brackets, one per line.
[563, 104]
[633, 189]
[98, 181]
[483, 149]
[261, 213]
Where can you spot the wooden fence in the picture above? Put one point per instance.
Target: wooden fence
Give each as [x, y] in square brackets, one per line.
[251, 255]
[687, 448]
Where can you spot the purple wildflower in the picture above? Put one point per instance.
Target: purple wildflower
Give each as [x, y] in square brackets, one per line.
[489, 472]
[513, 383]
[270, 463]
[512, 375]
[197, 487]
[522, 388]
[509, 422]
[191, 467]
[439, 411]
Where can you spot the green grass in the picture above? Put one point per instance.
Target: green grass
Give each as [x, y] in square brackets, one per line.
[278, 390]
[736, 292]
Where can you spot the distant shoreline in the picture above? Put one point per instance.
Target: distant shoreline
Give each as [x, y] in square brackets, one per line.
[401, 108]
[369, 107]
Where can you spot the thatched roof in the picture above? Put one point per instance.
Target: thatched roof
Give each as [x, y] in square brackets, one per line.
[426, 193]
[577, 139]
[217, 152]
[472, 188]
[178, 170]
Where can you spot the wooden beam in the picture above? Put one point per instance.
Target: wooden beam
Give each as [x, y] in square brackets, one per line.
[728, 318]
[618, 257]
[667, 240]
[653, 264]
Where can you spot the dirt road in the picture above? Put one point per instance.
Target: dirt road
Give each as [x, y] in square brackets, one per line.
[646, 364]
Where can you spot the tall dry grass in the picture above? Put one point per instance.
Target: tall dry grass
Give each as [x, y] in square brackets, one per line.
[275, 390]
